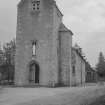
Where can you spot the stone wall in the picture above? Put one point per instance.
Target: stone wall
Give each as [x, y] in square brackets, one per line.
[79, 70]
[65, 57]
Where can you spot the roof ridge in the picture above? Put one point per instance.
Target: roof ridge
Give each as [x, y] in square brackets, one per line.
[64, 28]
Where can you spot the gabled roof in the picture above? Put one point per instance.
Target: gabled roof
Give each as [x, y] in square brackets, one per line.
[79, 54]
[63, 28]
[58, 9]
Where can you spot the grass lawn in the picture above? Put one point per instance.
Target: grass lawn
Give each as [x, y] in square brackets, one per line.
[51, 96]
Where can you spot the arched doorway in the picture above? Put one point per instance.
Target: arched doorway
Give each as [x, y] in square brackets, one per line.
[34, 72]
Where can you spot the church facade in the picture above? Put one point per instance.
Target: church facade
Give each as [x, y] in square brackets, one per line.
[43, 45]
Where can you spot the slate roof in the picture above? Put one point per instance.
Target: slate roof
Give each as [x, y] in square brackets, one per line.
[63, 28]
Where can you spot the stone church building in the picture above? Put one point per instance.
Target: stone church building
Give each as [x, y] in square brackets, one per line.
[78, 67]
[43, 45]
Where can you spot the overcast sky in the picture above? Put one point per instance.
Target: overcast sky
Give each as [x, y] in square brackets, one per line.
[85, 18]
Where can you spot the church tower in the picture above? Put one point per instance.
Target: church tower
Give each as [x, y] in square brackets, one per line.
[38, 22]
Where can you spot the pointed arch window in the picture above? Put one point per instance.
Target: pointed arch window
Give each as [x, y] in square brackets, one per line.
[73, 71]
[35, 5]
[34, 45]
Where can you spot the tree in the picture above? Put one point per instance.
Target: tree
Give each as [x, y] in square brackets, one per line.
[101, 65]
[9, 58]
[1, 56]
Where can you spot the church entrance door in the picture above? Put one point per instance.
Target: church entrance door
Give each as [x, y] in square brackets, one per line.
[34, 73]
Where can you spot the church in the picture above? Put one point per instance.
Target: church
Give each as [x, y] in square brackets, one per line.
[43, 45]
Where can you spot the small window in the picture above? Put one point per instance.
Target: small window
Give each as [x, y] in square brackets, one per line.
[35, 5]
[33, 8]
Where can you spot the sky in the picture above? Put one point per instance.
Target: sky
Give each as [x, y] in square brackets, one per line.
[85, 18]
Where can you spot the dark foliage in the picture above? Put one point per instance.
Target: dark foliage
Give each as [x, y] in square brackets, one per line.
[101, 65]
[7, 65]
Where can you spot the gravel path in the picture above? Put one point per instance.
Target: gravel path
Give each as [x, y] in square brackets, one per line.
[49, 96]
